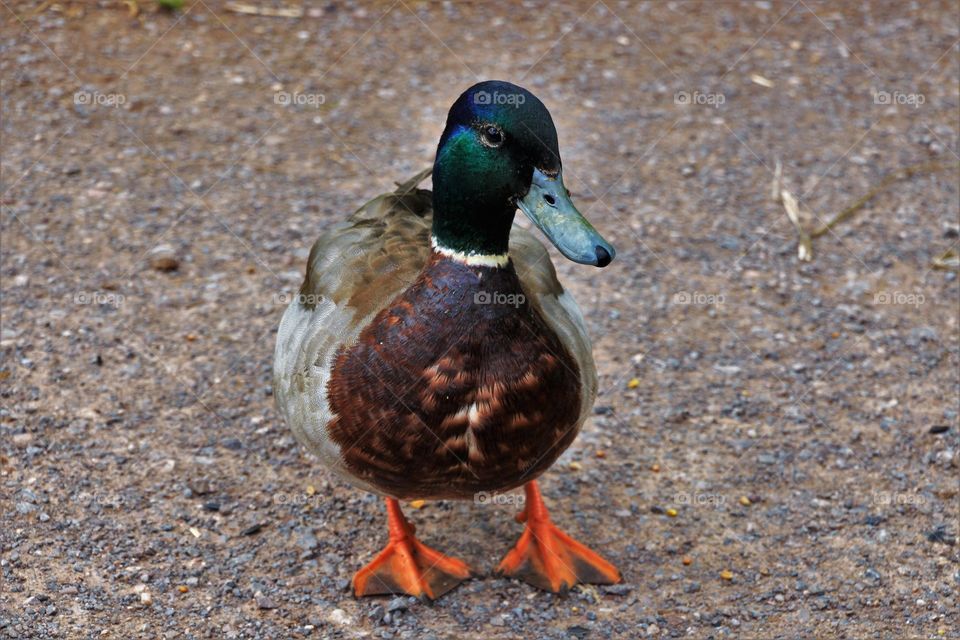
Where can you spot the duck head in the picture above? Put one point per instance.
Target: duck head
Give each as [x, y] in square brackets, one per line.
[499, 152]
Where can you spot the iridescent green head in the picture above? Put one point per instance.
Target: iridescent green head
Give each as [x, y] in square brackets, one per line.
[498, 152]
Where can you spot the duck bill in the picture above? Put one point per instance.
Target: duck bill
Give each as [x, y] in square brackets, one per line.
[548, 205]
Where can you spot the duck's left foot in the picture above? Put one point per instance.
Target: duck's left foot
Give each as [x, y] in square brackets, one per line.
[408, 566]
[548, 558]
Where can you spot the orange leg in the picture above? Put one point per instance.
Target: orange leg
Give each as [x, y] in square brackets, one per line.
[408, 566]
[548, 558]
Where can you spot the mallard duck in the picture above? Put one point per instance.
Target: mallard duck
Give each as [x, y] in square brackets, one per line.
[432, 354]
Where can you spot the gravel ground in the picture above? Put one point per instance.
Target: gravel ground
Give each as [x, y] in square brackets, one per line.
[774, 450]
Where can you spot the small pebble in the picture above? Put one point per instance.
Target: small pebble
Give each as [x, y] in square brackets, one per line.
[339, 616]
[22, 439]
[233, 444]
[377, 613]
[163, 258]
[942, 535]
[263, 601]
[617, 589]
[252, 529]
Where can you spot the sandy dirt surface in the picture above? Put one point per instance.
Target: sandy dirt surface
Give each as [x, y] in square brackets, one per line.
[774, 449]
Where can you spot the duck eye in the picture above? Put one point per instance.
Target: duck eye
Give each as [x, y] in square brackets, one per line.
[492, 136]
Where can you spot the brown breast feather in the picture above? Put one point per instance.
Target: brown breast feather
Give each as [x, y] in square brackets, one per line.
[444, 396]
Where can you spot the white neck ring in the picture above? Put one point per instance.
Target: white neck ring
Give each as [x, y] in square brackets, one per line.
[499, 260]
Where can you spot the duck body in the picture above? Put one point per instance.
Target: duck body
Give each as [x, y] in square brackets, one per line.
[432, 353]
[432, 378]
